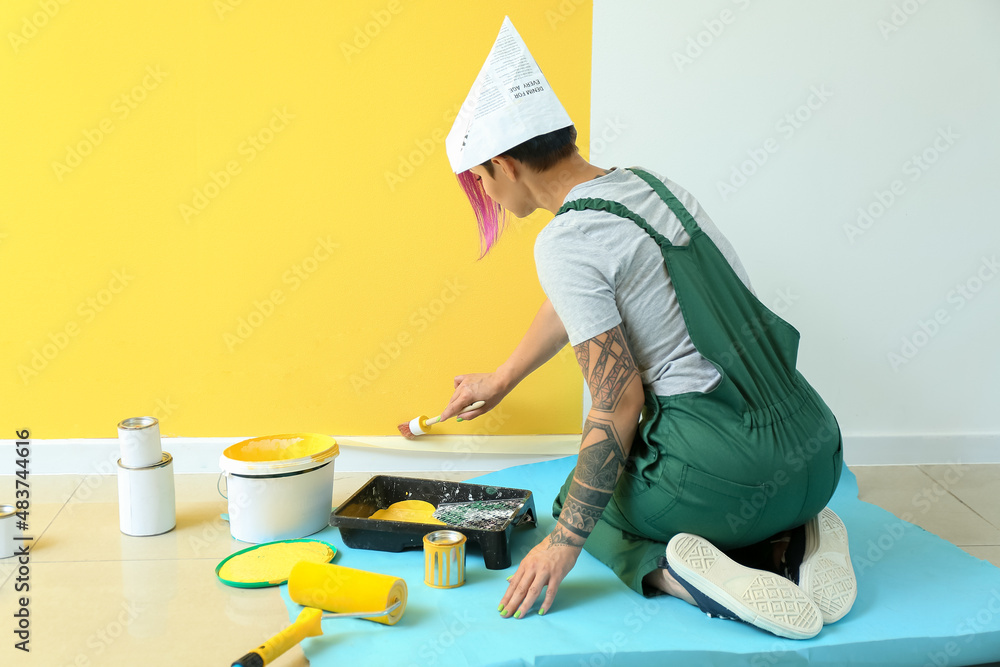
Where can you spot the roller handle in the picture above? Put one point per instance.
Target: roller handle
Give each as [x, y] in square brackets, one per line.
[366, 614]
[250, 660]
[306, 625]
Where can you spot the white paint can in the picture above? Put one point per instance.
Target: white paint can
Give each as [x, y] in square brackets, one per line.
[146, 498]
[279, 487]
[8, 531]
[139, 440]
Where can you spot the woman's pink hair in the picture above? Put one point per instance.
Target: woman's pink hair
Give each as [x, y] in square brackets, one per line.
[489, 214]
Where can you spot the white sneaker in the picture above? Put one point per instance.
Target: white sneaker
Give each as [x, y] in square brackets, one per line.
[826, 573]
[725, 589]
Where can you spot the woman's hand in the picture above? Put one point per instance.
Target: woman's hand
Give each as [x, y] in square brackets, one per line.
[472, 387]
[545, 566]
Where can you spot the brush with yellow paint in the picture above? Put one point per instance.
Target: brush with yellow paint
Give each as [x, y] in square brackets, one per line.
[343, 591]
[422, 425]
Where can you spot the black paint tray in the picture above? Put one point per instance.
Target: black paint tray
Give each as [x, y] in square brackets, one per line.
[360, 532]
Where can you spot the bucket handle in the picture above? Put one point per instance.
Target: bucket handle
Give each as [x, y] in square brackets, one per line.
[218, 485]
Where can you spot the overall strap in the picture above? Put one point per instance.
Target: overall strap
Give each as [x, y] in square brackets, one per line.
[615, 208]
[687, 220]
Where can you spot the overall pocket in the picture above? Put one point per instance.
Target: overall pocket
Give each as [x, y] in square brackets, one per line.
[720, 510]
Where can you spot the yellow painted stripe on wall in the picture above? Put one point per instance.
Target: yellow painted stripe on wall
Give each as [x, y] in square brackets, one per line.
[239, 217]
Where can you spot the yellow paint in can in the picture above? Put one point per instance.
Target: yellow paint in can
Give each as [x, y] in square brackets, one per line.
[444, 559]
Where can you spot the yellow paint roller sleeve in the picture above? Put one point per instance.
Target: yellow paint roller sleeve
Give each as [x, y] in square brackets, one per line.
[346, 590]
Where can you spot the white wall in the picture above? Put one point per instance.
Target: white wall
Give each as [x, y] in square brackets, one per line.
[887, 82]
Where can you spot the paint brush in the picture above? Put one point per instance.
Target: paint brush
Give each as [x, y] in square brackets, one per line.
[422, 425]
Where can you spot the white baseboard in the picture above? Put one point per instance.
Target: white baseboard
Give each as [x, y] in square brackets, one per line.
[88, 456]
[466, 453]
[922, 449]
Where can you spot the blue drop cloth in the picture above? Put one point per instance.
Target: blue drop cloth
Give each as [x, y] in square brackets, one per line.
[921, 601]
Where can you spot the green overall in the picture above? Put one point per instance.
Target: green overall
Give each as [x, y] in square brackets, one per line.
[757, 455]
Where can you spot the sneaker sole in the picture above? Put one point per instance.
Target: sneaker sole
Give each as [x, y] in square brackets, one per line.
[826, 573]
[763, 599]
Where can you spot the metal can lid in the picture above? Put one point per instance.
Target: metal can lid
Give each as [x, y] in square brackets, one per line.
[444, 538]
[6, 511]
[165, 460]
[136, 423]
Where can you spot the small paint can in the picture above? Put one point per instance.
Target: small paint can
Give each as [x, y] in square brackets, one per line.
[146, 498]
[8, 531]
[444, 559]
[139, 440]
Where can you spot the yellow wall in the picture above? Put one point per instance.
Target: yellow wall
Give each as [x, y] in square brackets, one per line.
[197, 219]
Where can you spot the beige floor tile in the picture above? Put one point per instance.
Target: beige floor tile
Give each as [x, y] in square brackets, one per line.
[48, 495]
[88, 528]
[43, 488]
[978, 486]
[40, 516]
[956, 523]
[914, 496]
[144, 613]
[90, 531]
[991, 553]
[890, 487]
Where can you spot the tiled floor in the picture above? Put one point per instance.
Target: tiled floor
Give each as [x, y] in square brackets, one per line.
[98, 597]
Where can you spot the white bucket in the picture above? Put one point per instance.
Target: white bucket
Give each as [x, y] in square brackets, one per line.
[279, 487]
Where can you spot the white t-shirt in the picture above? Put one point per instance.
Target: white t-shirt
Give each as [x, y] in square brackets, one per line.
[600, 270]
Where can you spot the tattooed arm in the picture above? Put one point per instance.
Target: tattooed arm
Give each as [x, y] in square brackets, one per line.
[617, 398]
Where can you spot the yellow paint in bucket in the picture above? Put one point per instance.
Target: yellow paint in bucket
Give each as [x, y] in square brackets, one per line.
[283, 450]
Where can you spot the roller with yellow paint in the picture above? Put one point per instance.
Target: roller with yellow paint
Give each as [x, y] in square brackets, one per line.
[344, 591]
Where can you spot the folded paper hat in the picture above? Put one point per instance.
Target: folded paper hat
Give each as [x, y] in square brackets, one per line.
[509, 103]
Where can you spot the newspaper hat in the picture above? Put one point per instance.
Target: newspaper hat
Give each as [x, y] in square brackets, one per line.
[509, 103]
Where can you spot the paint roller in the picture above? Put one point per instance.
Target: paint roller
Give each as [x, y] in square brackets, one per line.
[342, 591]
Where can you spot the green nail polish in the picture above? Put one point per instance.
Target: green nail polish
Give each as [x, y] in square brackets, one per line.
[541, 612]
[517, 614]
[459, 419]
[510, 577]
[500, 608]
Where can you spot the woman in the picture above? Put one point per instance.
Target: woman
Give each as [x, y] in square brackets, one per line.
[717, 496]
